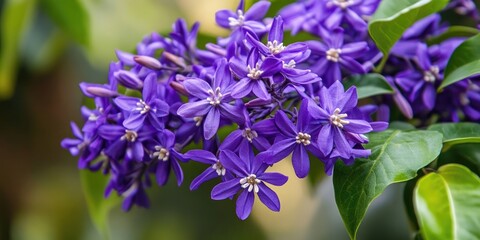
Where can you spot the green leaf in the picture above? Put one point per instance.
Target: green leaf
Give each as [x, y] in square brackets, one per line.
[457, 133]
[396, 157]
[71, 17]
[392, 18]
[369, 85]
[94, 184]
[466, 154]
[451, 32]
[15, 18]
[464, 62]
[447, 204]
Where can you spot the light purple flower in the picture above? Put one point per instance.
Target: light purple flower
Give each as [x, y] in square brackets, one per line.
[214, 170]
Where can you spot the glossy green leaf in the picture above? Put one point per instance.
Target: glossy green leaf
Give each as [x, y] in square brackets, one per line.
[16, 15]
[94, 184]
[451, 32]
[71, 17]
[447, 204]
[369, 85]
[396, 157]
[464, 62]
[458, 133]
[392, 18]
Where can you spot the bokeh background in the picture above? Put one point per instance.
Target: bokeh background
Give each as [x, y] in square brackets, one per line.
[42, 61]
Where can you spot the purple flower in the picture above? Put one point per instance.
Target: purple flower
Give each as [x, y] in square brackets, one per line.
[295, 139]
[352, 12]
[213, 100]
[216, 168]
[241, 22]
[150, 107]
[125, 143]
[252, 75]
[274, 47]
[87, 145]
[421, 82]
[341, 122]
[165, 157]
[253, 134]
[250, 178]
[333, 54]
[303, 15]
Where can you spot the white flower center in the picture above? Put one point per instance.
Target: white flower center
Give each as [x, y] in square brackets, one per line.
[249, 134]
[235, 22]
[254, 73]
[343, 4]
[275, 47]
[130, 136]
[219, 168]
[142, 107]
[161, 153]
[337, 118]
[215, 97]
[431, 75]
[251, 182]
[333, 54]
[303, 138]
[290, 64]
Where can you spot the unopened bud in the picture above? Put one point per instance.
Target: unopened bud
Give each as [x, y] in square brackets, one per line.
[148, 62]
[179, 88]
[128, 79]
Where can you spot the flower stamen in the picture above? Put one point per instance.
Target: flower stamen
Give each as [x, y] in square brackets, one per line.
[215, 97]
[251, 182]
[161, 153]
[333, 54]
[337, 118]
[130, 136]
[218, 167]
[275, 47]
[303, 138]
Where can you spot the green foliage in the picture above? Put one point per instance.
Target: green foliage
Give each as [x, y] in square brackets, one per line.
[396, 157]
[447, 203]
[369, 85]
[457, 133]
[451, 32]
[16, 16]
[71, 17]
[392, 18]
[94, 186]
[464, 62]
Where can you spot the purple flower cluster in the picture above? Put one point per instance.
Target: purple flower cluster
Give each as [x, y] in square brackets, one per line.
[284, 98]
[416, 70]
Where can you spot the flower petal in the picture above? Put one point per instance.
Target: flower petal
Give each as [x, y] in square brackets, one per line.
[268, 197]
[274, 178]
[194, 109]
[206, 175]
[300, 161]
[226, 189]
[245, 204]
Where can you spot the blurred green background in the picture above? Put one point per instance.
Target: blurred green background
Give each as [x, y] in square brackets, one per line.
[47, 48]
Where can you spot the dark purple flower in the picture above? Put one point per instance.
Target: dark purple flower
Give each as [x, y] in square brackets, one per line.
[250, 178]
[150, 107]
[252, 74]
[213, 101]
[216, 168]
[295, 139]
[254, 134]
[165, 157]
[88, 146]
[333, 54]
[341, 122]
[125, 143]
[352, 12]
